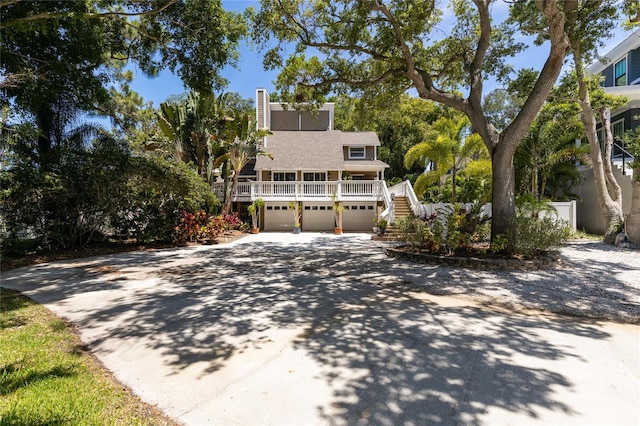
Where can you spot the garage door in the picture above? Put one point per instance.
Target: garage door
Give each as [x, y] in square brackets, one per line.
[317, 217]
[358, 216]
[278, 217]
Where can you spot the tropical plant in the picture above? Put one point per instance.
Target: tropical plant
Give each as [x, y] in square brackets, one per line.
[296, 207]
[254, 211]
[531, 207]
[548, 157]
[449, 146]
[193, 127]
[244, 145]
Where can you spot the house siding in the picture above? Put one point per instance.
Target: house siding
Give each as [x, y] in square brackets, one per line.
[314, 122]
[285, 120]
[608, 76]
[300, 121]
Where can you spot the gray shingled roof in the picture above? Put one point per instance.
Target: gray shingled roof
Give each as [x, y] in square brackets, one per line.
[321, 150]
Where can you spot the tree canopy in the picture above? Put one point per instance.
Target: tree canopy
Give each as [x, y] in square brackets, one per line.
[59, 57]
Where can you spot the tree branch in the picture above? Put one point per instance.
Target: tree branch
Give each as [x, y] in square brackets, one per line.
[357, 83]
[52, 15]
[475, 69]
[548, 75]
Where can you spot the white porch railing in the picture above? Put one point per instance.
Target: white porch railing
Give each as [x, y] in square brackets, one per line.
[326, 191]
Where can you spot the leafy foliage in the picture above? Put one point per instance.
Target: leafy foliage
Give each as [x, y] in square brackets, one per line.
[200, 226]
[452, 229]
[535, 237]
[547, 159]
[86, 192]
[449, 146]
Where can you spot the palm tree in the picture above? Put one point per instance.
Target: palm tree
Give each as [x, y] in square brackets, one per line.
[547, 161]
[244, 145]
[194, 126]
[449, 146]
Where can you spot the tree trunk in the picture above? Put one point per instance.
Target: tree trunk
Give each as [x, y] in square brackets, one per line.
[453, 185]
[633, 219]
[503, 208]
[611, 208]
[612, 184]
[226, 209]
[610, 204]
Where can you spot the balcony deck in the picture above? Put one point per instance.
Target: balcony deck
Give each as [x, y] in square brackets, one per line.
[345, 190]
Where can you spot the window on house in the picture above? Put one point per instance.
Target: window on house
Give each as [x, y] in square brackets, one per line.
[314, 177]
[620, 73]
[284, 176]
[356, 152]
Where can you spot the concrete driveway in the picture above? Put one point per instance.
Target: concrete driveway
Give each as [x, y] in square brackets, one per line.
[319, 329]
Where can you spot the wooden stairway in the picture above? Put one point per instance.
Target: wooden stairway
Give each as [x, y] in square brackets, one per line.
[401, 209]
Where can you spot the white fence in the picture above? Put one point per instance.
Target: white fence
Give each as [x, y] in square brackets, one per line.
[563, 210]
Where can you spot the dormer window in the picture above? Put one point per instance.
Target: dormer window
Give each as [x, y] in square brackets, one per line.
[357, 152]
[620, 72]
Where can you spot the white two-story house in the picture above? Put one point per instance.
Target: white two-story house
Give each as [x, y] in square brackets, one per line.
[315, 165]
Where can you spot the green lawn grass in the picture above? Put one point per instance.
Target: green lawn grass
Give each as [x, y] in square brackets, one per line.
[46, 377]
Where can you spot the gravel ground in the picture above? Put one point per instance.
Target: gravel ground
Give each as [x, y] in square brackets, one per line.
[593, 280]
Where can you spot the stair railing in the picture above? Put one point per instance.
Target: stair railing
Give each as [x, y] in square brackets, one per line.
[416, 206]
[389, 212]
[625, 153]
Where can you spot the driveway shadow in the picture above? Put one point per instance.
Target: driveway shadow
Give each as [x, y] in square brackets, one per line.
[389, 356]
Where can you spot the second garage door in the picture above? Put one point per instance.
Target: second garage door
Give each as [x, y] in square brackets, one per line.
[358, 216]
[317, 217]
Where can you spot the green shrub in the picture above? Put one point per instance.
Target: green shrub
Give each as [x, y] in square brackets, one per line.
[158, 191]
[535, 237]
[464, 225]
[452, 228]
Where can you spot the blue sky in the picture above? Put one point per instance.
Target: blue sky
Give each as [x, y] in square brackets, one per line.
[251, 75]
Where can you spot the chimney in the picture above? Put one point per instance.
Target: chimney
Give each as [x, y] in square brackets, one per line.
[263, 116]
[263, 112]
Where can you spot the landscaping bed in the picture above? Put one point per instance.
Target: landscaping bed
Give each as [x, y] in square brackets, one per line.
[477, 256]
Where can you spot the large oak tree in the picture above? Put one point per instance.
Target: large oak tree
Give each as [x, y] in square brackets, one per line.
[395, 46]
